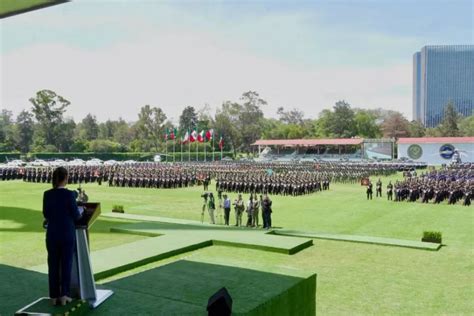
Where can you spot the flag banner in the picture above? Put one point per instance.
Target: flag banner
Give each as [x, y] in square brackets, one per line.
[185, 138]
[200, 137]
[210, 134]
[167, 134]
[193, 136]
[174, 133]
[221, 143]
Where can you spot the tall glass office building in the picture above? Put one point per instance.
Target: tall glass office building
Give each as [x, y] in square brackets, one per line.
[442, 74]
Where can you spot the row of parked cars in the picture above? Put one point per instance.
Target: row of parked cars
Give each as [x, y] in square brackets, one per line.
[61, 162]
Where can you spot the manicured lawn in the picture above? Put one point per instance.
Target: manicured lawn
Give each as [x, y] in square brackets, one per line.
[352, 278]
[11, 6]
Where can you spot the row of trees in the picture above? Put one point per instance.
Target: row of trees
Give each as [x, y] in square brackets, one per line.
[46, 128]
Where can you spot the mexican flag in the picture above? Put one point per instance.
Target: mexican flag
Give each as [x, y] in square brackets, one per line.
[193, 136]
[174, 133]
[221, 143]
[185, 138]
[167, 134]
[210, 134]
[200, 137]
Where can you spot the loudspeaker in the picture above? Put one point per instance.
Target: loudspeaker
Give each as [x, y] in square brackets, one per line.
[220, 303]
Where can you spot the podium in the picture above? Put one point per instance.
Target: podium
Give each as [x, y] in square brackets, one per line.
[82, 276]
[83, 290]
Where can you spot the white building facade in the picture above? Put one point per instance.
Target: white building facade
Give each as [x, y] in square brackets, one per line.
[436, 150]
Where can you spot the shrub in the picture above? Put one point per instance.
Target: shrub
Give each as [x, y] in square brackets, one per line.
[118, 209]
[430, 236]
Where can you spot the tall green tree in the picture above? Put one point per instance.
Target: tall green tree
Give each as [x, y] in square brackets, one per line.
[366, 124]
[343, 124]
[466, 126]
[7, 141]
[250, 118]
[226, 125]
[188, 119]
[64, 134]
[293, 116]
[150, 125]
[449, 125]
[48, 108]
[88, 129]
[323, 125]
[416, 129]
[24, 129]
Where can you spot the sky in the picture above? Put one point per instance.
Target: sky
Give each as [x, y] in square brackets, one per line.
[111, 57]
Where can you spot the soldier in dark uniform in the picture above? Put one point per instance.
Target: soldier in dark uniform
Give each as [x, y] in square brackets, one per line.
[369, 191]
[378, 188]
[389, 191]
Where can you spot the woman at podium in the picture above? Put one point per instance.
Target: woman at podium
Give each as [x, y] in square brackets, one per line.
[60, 212]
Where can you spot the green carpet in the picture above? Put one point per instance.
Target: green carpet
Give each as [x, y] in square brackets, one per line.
[282, 232]
[362, 239]
[43, 306]
[174, 239]
[13, 7]
[184, 287]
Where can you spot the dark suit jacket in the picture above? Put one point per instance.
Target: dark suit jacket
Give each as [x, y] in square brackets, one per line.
[60, 210]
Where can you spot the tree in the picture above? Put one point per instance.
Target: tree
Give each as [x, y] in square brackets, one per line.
[449, 125]
[226, 125]
[88, 129]
[395, 126]
[294, 116]
[323, 124]
[107, 129]
[343, 124]
[416, 129]
[48, 108]
[24, 131]
[7, 141]
[466, 126]
[124, 133]
[150, 125]
[366, 124]
[188, 119]
[103, 146]
[249, 118]
[64, 134]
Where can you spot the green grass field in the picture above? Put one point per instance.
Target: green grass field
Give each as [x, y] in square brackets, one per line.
[353, 278]
[10, 7]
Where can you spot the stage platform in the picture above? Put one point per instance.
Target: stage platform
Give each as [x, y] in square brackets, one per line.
[184, 287]
[180, 288]
[170, 239]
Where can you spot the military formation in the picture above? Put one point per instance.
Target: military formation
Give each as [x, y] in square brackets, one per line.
[454, 185]
[245, 177]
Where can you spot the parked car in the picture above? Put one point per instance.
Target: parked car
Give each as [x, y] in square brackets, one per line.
[110, 162]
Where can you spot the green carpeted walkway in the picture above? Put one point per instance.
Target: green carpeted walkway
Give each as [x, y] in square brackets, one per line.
[293, 233]
[172, 239]
[361, 239]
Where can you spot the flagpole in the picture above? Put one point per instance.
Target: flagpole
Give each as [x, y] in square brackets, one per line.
[166, 148]
[213, 158]
[197, 150]
[189, 148]
[205, 145]
[181, 142]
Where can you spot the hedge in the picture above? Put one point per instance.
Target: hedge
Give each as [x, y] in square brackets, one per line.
[139, 156]
[9, 156]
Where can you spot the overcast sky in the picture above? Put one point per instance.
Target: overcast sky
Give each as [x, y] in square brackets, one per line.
[110, 58]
